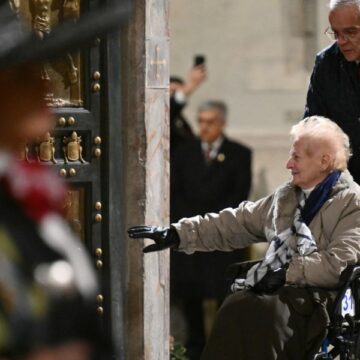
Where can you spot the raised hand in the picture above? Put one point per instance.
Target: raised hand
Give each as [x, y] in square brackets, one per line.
[164, 237]
[196, 77]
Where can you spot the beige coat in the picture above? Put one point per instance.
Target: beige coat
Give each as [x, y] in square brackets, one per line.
[336, 229]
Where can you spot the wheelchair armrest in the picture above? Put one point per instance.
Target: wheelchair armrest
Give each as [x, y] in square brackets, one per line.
[347, 277]
[239, 269]
[349, 274]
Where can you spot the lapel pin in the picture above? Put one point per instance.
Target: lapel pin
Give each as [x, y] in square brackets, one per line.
[221, 157]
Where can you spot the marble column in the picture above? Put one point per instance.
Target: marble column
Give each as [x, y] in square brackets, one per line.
[146, 192]
[156, 265]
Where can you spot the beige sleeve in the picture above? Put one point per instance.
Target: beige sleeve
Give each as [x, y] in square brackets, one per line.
[228, 230]
[323, 268]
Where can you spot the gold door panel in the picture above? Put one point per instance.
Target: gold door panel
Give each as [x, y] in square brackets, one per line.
[74, 210]
[64, 75]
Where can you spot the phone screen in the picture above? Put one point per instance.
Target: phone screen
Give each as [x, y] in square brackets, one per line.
[199, 60]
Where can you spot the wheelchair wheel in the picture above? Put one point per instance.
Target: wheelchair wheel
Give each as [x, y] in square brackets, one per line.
[346, 344]
[351, 350]
[355, 353]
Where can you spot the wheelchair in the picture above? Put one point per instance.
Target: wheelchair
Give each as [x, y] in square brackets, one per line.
[343, 338]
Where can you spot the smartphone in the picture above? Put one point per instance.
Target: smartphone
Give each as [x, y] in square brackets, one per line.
[199, 60]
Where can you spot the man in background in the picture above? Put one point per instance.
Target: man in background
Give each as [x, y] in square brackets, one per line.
[208, 174]
[334, 89]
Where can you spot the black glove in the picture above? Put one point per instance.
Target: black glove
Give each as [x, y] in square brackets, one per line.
[273, 280]
[164, 237]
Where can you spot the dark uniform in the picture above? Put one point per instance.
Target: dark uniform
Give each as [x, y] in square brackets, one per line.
[47, 285]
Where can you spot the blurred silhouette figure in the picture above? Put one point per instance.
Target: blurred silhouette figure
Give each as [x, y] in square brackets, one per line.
[208, 174]
[47, 284]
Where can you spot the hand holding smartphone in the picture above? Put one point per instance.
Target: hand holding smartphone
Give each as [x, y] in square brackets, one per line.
[199, 60]
[197, 75]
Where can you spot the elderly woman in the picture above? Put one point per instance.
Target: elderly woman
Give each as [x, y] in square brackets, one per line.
[312, 225]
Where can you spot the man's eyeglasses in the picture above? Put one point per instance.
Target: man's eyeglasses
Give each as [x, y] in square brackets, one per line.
[347, 34]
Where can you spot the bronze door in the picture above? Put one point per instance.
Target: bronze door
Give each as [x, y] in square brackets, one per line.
[80, 148]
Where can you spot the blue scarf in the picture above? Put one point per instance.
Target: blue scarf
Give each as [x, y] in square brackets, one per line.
[318, 197]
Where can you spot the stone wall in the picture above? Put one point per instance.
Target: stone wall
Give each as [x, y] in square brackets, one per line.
[259, 58]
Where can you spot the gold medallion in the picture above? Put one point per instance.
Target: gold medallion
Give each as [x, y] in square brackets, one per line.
[221, 157]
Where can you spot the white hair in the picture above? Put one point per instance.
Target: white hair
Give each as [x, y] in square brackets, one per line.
[321, 129]
[335, 4]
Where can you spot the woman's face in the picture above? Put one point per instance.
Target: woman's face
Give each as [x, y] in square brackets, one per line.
[24, 115]
[308, 168]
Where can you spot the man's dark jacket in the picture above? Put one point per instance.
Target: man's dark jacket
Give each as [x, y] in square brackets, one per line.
[198, 187]
[334, 92]
[180, 130]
